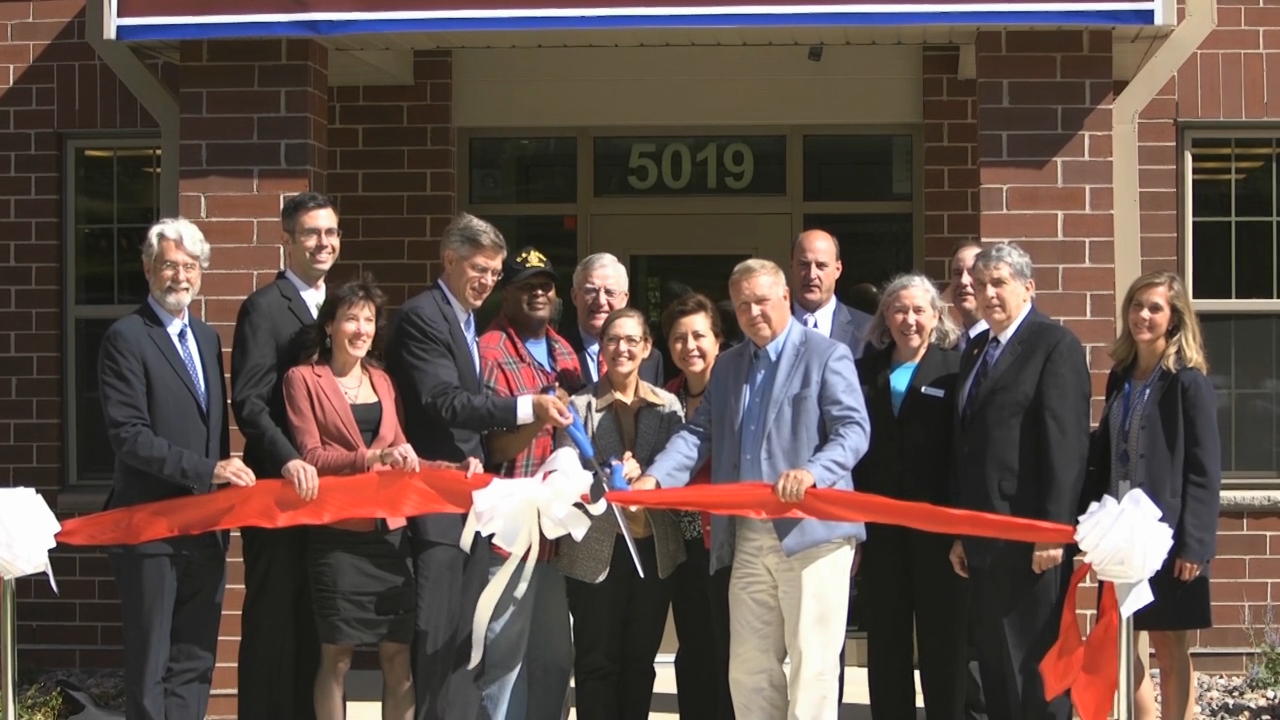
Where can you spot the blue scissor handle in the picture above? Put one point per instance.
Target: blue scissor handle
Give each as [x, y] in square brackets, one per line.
[578, 434]
[616, 481]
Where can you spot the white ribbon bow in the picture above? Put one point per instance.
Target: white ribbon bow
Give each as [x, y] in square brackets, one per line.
[1126, 543]
[517, 513]
[27, 530]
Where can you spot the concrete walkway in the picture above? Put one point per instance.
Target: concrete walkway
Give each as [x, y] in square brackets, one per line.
[363, 688]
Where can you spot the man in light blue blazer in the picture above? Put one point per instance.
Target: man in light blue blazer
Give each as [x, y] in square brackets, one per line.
[784, 408]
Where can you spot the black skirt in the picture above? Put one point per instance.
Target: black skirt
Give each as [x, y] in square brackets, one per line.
[1178, 605]
[362, 586]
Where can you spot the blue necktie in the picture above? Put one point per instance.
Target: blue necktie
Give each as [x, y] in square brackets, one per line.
[984, 368]
[190, 361]
[469, 329]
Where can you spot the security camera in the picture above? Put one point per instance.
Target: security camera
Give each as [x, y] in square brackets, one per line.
[815, 53]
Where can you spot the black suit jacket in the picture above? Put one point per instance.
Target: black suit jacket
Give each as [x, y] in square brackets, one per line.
[910, 454]
[166, 445]
[1023, 451]
[651, 370]
[1179, 457]
[446, 411]
[849, 326]
[269, 320]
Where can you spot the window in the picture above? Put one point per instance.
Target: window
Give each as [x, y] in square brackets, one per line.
[1232, 272]
[112, 197]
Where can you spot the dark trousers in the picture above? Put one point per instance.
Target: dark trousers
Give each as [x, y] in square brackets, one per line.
[975, 707]
[720, 639]
[911, 591]
[1016, 614]
[280, 647]
[170, 607]
[617, 628]
[449, 583]
[702, 666]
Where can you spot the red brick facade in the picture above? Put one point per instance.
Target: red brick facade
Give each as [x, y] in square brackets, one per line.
[1020, 151]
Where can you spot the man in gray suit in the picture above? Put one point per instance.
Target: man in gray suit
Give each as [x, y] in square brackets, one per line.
[815, 268]
[784, 408]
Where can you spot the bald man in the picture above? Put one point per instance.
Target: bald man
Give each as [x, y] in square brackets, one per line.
[815, 268]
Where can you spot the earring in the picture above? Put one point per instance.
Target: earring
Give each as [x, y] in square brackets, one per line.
[328, 341]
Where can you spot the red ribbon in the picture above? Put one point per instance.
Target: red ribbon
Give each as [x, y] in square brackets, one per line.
[1088, 669]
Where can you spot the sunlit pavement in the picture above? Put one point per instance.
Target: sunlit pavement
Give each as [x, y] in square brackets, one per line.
[364, 687]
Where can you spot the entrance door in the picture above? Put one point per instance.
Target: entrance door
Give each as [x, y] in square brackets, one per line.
[670, 255]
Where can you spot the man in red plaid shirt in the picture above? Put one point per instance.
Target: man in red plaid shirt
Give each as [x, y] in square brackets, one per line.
[528, 647]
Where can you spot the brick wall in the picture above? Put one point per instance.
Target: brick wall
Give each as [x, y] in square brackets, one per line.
[391, 171]
[50, 82]
[950, 158]
[1044, 147]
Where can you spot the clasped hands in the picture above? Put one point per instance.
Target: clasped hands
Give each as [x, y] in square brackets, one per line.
[306, 479]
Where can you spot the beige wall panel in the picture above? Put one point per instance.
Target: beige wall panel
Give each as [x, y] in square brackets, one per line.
[550, 87]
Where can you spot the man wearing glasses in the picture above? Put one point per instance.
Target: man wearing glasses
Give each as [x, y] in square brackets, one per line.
[279, 650]
[599, 287]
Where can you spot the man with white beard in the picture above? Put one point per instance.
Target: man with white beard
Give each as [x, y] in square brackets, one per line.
[160, 374]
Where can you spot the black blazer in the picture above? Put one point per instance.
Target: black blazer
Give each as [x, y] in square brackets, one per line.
[910, 454]
[849, 326]
[650, 370]
[268, 322]
[1179, 457]
[1023, 451]
[166, 445]
[445, 409]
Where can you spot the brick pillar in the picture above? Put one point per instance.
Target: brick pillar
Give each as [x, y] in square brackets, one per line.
[1044, 147]
[253, 132]
[950, 158]
[391, 163]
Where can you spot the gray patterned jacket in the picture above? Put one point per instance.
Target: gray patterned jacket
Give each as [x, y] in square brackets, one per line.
[589, 560]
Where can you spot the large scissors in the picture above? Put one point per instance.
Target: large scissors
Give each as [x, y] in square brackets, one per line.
[612, 480]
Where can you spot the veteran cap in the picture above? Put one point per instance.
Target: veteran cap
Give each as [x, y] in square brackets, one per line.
[527, 263]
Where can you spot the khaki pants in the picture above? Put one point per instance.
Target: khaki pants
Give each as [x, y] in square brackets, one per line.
[780, 607]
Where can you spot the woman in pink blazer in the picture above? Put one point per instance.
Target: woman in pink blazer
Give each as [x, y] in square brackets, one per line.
[345, 420]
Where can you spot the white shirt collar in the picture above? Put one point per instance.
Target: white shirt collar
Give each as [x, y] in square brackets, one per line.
[1009, 331]
[172, 323]
[453, 303]
[313, 297]
[825, 315]
[976, 330]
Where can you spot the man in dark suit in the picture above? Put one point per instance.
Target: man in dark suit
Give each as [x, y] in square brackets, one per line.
[815, 268]
[160, 371]
[433, 356]
[600, 286]
[279, 648]
[1022, 441]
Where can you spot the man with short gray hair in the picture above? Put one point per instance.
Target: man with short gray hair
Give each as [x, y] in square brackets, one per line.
[600, 285]
[160, 373]
[784, 407]
[1021, 444]
[434, 357]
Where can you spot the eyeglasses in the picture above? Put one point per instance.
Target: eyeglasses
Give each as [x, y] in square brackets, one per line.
[315, 233]
[591, 292]
[168, 267]
[481, 271]
[631, 341]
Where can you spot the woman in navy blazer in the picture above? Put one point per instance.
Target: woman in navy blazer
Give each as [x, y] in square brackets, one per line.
[909, 588]
[1159, 432]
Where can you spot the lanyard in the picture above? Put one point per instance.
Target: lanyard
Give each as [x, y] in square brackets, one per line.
[1125, 409]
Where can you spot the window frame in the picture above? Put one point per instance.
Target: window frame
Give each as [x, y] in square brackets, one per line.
[1231, 480]
[73, 311]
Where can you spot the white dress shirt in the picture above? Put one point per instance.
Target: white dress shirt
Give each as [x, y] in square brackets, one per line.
[825, 316]
[173, 325]
[524, 403]
[312, 297]
[971, 333]
[1004, 342]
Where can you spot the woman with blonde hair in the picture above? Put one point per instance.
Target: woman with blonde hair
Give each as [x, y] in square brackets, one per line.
[911, 591]
[1159, 432]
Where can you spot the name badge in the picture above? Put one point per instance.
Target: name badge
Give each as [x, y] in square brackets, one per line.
[935, 392]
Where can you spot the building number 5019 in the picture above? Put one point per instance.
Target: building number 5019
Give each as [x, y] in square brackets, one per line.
[735, 167]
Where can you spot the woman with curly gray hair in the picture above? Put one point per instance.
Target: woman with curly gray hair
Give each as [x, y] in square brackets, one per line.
[910, 589]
